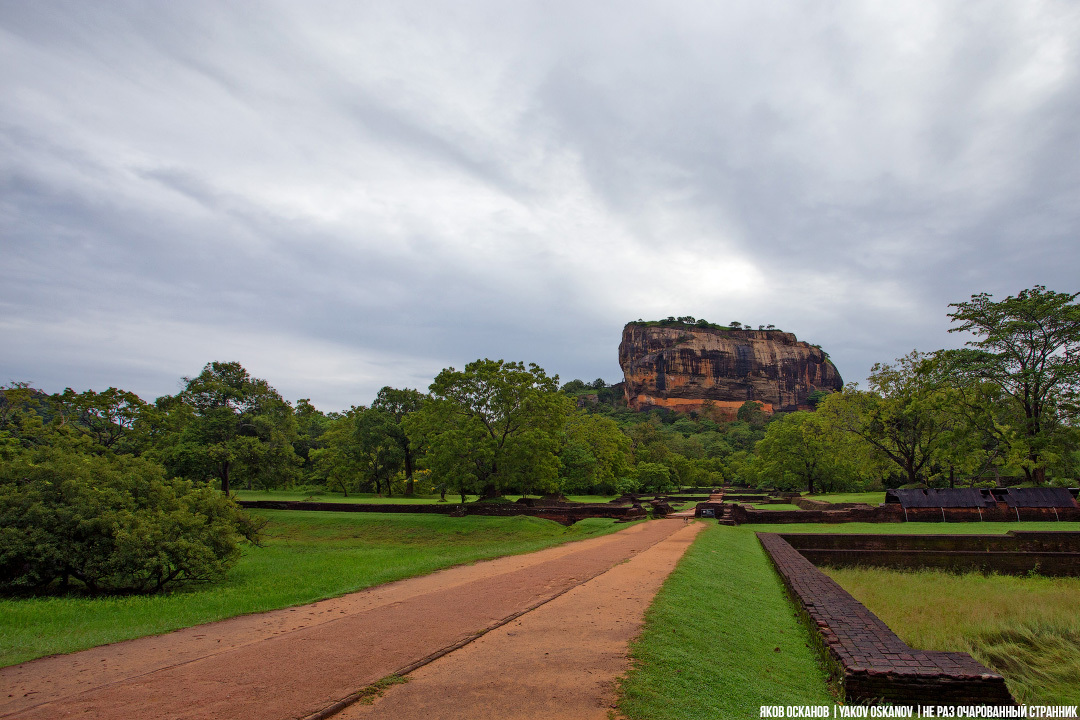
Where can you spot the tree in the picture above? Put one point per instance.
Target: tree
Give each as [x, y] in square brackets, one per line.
[654, 477]
[113, 523]
[901, 416]
[378, 446]
[239, 427]
[311, 425]
[1029, 347]
[108, 419]
[495, 424]
[596, 452]
[752, 413]
[399, 404]
[798, 452]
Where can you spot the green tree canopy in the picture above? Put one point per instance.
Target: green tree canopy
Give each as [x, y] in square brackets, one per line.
[399, 404]
[1028, 346]
[238, 427]
[901, 416]
[799, 451]
[596, 453]
[494, 425]
[113, 523]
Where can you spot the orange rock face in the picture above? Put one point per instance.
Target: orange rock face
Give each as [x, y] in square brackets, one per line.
[693, 368]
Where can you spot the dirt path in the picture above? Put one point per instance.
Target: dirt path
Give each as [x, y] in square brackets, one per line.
[558, 661]
[298, 662]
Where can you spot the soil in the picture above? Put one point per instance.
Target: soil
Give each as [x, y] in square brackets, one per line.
[538, 635]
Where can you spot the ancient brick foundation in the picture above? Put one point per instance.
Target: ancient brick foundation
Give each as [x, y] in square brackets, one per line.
[873, 664]
[891, 512]
[564, 513]
[1015, 553]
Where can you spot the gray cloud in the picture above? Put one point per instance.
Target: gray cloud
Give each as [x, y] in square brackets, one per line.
[344, 196]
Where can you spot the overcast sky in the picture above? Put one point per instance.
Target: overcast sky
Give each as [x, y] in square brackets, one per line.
[346, 195]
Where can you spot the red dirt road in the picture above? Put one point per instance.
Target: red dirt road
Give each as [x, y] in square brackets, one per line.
[299, 662]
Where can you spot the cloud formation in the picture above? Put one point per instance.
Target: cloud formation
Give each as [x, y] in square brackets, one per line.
[343, 196]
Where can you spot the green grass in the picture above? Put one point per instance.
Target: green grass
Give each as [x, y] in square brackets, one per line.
[721, 639]
[775, 506]
[1026, 628]
[870, 498]
[307, 556]
[707, 650]
[326, 496]
[591, 498]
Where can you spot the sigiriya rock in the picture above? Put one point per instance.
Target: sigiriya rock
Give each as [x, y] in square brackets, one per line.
[687, 368]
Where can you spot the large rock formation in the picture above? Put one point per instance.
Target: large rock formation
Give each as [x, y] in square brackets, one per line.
[683, 367]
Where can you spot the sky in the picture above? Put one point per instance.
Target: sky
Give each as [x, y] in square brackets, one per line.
[347, 195]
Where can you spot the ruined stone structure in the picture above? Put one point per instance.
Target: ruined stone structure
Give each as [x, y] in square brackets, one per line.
[684, 367]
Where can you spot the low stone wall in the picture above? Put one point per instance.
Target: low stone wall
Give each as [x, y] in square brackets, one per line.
[440, 509]
[999, 512]
[743, 514]
[819, 512]
[564, 513]
[1016, 553]
[873, 664]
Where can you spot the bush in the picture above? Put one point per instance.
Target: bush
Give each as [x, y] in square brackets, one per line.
[113, 524]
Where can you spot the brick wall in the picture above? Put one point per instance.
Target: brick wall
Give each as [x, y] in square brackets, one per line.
[1017, 553]
[565, 514]
[873, 664]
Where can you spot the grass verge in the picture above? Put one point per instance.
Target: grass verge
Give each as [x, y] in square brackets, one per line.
[721, 639]
[308, 556]
[870, 498]
[1026, 628]
[336, 497]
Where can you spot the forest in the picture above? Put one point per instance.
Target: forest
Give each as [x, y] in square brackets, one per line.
[1001, 409]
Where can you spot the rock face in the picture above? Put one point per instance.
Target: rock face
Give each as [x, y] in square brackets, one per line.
[684, 367]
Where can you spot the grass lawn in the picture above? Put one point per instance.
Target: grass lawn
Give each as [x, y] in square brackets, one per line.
[591, 498]
[307, 556]
[775, 506]
[721, 639]
[1026, 628]
[708, 647]
[870, 498]
[326, 496]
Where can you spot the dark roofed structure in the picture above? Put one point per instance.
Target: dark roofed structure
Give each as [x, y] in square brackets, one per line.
[1054, 497]
[945, 498]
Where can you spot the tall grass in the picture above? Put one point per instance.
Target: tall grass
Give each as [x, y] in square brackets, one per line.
[308, 556]
[721, 639]
[1026, 628]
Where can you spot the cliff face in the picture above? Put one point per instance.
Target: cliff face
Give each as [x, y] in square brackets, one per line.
[682, 368]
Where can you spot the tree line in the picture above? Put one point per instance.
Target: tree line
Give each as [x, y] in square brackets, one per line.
[1005, 405]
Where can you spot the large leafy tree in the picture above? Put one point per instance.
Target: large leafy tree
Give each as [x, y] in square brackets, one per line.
[108, 420]
[113, 523]
[238, 427]
[902, 416]
[799, 451]
[596, 453]
[398, 404]
[1027, 346]
[494, 425]
[311, 425]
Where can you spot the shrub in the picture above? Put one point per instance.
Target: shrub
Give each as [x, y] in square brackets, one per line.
[114, 524]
